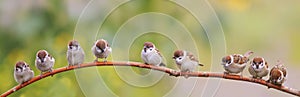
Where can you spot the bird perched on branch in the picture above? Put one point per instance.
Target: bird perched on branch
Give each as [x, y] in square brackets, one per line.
[44, 61]
[278, 74]
[101, 49]
[186, 61]
[151, 55]
[22, 72]
[258, 67]
[75, 53]
[235, 63]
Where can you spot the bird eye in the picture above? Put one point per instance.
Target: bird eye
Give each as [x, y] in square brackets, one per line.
[18, 69]
[179, 58]
[150, 49]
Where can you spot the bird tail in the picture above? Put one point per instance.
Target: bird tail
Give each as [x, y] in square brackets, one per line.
[248, 54]
[162, 64]
[200, 64]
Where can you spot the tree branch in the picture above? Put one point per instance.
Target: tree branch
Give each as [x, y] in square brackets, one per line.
[171, 72]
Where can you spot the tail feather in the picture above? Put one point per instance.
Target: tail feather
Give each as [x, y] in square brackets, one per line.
[200, 64]
[248, 53]
[162, 64]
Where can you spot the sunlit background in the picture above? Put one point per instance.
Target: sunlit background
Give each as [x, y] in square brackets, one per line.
[269, 28]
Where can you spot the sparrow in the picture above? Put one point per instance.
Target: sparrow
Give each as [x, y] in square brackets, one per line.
[186, 61]
[235, 63]
[101, 49]
[278, 74]
[151, 55]
[22, 72]
[44, 61]
[259, 68]
[75, 53]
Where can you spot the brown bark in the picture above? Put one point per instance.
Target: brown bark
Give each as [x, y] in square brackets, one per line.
[171, 72]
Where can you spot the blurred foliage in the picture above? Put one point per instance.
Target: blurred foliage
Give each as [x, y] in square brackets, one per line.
[269, 28]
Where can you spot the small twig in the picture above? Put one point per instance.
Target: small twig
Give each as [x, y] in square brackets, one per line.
[171, 72]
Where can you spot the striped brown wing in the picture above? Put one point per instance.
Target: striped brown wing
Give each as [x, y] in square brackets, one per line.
[158, 52]
[192, 57]
[284, 71]
[266, 63]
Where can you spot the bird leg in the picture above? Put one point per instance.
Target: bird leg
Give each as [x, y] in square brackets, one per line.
[96, 60]
[41, 75]
[186, 75]
[105, 60]
[50, 71]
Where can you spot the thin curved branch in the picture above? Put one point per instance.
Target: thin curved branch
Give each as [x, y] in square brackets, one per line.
[171, 72]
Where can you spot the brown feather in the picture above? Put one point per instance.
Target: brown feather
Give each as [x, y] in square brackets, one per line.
[258, 60]
[275, 73]
[178, 53]
[148, 44]
[101, 44]
[235, 58]
[226, 59]
[42, 53]
[158, 52]
[248, 54]
[73, 43]
[20, 64]
[281, 67]
[192, 57]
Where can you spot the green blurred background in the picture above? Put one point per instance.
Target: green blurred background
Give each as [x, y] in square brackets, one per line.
[269, 28]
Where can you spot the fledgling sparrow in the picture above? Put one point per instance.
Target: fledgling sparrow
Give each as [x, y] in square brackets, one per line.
[278, 74]
[75, 53]
[101, 49]
[44, 61]
[186, 61]
[151, 55]
[22, 72]
[259, 67]
[235, 63]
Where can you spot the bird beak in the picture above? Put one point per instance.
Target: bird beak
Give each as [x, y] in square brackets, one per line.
[42, 60]
[99, 49]
[102, 50]
[145, 50]
[256, 66]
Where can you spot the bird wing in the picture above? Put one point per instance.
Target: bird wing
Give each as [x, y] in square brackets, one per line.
[248, 54]
[192, 57]
[281, 67]
[284, 71]
[158, 52]
[266, 64]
